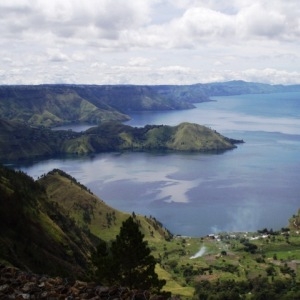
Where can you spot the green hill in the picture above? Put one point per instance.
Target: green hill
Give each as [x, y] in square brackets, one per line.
[54, 224]
[52, 105]
[35, 234]
[19, 141]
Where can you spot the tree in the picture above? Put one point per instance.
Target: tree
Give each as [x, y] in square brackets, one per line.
[106, 269]
[130, 258]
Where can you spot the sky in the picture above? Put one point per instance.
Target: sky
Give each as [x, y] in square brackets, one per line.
[149, 41]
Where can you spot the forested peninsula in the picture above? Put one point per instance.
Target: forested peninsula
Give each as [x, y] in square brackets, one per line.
[21, 141]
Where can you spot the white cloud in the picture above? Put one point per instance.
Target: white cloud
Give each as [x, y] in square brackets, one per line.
[257, 20]
[149, 41]
[55, 55]
[139, 61]
[272, 76]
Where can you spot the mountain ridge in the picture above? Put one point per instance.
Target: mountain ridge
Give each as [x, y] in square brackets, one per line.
[55, 223]
[57, 104]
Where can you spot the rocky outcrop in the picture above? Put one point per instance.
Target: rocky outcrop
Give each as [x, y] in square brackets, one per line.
[16, 284]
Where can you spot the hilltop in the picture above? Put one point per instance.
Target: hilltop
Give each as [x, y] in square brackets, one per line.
[19, 141]
[54, 224]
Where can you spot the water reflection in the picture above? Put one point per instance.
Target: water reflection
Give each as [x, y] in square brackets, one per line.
[253, 186]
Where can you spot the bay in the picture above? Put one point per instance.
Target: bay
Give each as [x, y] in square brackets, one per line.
[251, 187]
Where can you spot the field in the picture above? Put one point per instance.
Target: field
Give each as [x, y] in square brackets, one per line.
[184, 261]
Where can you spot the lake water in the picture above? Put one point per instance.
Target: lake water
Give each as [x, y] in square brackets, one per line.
[251, 187]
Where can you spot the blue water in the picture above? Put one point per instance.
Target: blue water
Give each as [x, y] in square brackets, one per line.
[245, 189]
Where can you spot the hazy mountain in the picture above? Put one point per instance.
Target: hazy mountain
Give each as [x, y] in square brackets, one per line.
[51, 105]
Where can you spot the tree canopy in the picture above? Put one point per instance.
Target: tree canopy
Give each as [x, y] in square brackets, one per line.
[128, 261]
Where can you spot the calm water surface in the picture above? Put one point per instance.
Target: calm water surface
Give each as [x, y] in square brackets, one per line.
[248, 188]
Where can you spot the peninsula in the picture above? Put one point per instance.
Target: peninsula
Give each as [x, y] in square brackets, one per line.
[21, 141]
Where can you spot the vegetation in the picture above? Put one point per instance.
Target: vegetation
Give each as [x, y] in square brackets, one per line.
[51, 105]
[35, 234]
[256, 288]
[19, 141]
[55, 224]
[128, 262]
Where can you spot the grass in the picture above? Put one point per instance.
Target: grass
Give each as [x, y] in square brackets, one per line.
[237, 264]
[173, 286]
[224, 258]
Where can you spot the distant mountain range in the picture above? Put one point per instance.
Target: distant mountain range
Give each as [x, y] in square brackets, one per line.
[52, 105]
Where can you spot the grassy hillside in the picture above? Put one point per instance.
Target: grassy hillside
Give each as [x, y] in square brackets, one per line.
[19, 141]
[51, 105]
[90, 212]
[34, 234]
[52, 226]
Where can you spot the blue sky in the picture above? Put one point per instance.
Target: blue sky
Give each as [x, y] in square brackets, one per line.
[149, 41]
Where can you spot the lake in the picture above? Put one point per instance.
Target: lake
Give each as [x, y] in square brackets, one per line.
[251, 187]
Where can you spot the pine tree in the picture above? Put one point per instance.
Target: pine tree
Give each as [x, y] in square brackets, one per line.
[106, 271]
[131, 259]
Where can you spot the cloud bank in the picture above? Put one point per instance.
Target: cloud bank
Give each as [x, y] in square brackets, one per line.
[149, 41]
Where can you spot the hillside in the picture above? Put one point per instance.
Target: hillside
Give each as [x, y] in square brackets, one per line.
[35, 234]
[20, 141]
[54, 224]
[52, 105]
[294, 223]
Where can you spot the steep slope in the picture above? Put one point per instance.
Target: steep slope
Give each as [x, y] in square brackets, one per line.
[51, 105]
[34, 234]
[191, 137]
[54, 224]
[91, 213]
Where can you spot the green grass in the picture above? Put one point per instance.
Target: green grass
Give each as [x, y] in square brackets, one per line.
[173, 286]
[226, 259]
[237, 265]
